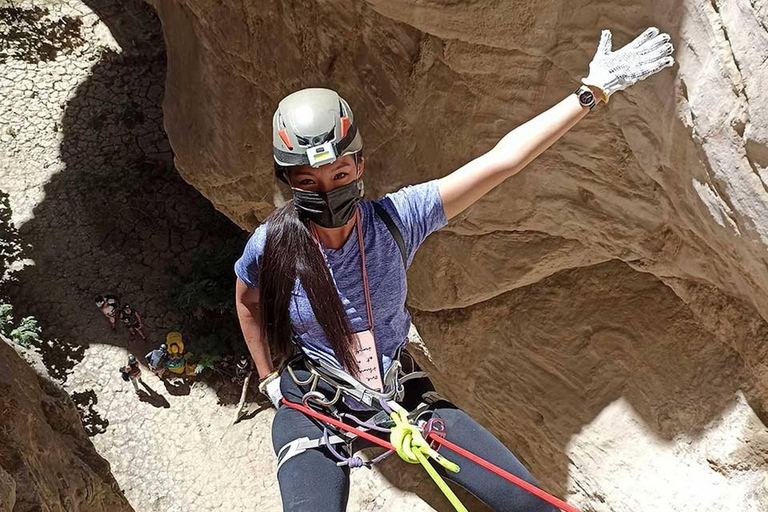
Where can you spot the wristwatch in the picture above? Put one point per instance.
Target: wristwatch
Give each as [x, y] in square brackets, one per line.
[586, 97]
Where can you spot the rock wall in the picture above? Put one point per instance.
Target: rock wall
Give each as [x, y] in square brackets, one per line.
[613, 294]
[47, 461]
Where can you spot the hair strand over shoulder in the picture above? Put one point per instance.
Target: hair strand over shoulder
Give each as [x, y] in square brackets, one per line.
[290, 252]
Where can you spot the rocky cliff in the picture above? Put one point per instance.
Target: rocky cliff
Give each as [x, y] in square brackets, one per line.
[612, 298]
[47, 461]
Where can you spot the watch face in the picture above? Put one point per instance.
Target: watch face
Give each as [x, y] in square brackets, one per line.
[586, 96]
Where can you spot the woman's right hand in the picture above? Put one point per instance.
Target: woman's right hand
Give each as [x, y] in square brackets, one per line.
[612, 71]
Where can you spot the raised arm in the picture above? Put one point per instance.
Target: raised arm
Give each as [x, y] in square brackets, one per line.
[608, 72]
[518, 148]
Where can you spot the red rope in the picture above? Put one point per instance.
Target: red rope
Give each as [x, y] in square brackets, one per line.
[456, 448]
[336, 423]
[504, 474]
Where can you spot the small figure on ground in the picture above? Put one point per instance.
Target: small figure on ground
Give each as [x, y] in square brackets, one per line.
[132, 372]
[242, 369]
[108, 305]
[177, 358]
[132, 320]
[156, 360]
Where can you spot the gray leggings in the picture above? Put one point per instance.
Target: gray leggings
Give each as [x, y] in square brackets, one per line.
[312, 481]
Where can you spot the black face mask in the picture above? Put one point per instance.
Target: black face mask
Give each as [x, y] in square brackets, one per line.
[329, 209]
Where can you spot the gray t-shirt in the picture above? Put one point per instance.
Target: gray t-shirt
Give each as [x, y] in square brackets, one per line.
[417, 211]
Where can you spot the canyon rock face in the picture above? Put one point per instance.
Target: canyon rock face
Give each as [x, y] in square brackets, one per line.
[604, 311]
[47, 461]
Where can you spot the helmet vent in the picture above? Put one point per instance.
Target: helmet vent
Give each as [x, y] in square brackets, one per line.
[285, 139]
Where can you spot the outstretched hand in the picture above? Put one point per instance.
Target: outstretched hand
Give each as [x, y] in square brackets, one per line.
[613, 71]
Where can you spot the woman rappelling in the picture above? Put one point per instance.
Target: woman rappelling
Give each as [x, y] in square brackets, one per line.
[321, 290]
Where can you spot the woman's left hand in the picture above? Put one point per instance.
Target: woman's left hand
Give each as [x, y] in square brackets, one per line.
[613, 71]
[272, 390]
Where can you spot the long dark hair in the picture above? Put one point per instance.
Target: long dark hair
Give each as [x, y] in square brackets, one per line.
[291, 252]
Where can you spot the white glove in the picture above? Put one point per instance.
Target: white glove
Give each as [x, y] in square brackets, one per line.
[272, 390]
[611, 71]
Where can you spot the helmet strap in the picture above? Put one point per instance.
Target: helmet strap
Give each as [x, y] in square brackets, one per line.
[360, 183]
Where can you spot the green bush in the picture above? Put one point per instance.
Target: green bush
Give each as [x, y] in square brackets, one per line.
[204, 296]
[205, 362]
[27, 333]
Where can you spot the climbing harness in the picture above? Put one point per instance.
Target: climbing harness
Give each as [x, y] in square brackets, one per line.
[413, 438]
[407, 440]
[340, 383]
[343, 383]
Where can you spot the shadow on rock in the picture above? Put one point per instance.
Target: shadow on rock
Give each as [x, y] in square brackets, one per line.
[177, 387]
[30, 35]
[152, 397]
[92, 421]
[117, 217]
[260, 406]
[555, 356]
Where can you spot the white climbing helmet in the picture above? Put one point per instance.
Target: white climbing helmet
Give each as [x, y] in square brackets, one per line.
[313, 127]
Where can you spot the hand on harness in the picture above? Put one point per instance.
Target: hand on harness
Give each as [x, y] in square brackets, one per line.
[613, 71]
[270, 386]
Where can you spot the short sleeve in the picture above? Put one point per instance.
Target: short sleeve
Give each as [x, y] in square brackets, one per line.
[247, 267]
[420, 211]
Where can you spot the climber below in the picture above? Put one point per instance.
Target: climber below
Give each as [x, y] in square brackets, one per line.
[132, 320]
